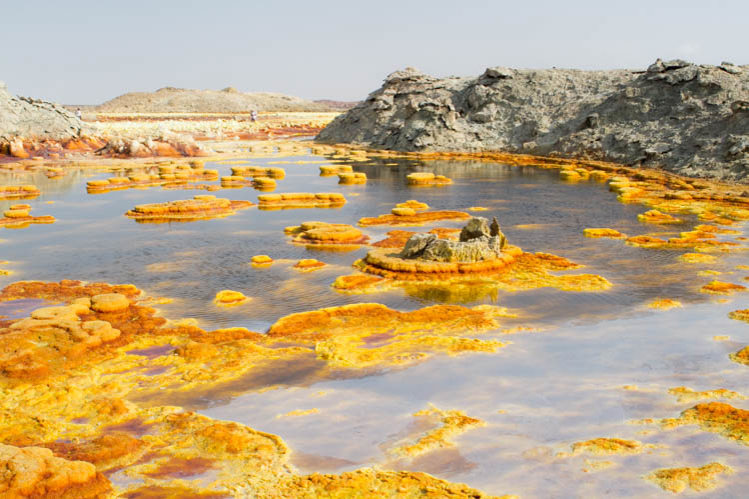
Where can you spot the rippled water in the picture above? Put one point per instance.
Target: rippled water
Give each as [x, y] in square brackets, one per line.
[543, 392]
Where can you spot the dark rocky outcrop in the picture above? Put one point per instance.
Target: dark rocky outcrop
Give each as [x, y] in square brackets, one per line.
[476, 244]
[35, 119]
[686, 118]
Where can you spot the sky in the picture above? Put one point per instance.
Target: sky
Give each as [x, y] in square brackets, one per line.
[86, 52]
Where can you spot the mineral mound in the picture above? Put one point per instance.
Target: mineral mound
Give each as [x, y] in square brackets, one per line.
[686, 118]
[199, 208]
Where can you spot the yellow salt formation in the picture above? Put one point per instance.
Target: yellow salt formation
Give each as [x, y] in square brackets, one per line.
[352, 178]
[83, 405]
[604, 232]
[445, 425]
[664, 304]
[427, 179]
[684, 394]
[398, 238]
[696, 258]
[326, 235]
[742, 356]
[700, 479]
[229, 181]
[261, 261]
[298, 412]
[572, 174]
[477, 208]
[722, 288]
[369, 335]
[18, 192]
[309, 264]
[703, 241]
[609, 446]
[201, 207]
[383, 262]
[657, 217]
[18, 217]
[259, 171]
[405, 484]
[715, 417]
[331, 170]
[36, 472]
[740, 315]
[300, 200]
[229, 298]
[413, 204]
[168, 175]
[264, 183]
[408, 216]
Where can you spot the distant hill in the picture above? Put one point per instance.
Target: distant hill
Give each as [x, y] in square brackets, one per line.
[228, 100]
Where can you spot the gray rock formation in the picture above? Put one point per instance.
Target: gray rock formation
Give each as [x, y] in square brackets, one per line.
[686, 118]
[475, 245]
[35, 119]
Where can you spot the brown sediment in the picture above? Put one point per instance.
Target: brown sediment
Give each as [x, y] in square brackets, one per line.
[18, 217]
[36, 472]
[604, 232]
[722, 288]
[445, 425]
[201, 207]
[684, 394]
[323, 234]
[740, 315]
[229, 298]
[715, 417]
[300, 200]
[18, 192]
[378, 484]
[677, 480]
[664, 304]
[411, 217]
[420, 179]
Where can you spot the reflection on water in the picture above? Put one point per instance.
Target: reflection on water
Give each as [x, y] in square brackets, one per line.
[537, 396]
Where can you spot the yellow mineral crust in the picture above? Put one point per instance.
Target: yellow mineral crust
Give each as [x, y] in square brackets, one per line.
[201, 207]
[413, 204]
[742, 356]
[229, 298]
[520, 271]
[664, 304]
[696, 258]
[35, 472]
[370, 335]
[411, 217]
[715, 417]
[445, 426]
[612, 233]
[684, 394]
[700, 479]
[352, 178]
[426, 179]
[722, 288]
[369, 483]
[168, 175]
[609, 446]
[261, 261]
[273, 172]
[740, 315]
[657, 217]
[309, 264]
[18, 217]
[332, 170]
[322, 234]
[300, 200]
[18, 192]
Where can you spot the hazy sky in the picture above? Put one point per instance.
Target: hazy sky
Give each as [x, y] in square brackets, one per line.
[86, 52]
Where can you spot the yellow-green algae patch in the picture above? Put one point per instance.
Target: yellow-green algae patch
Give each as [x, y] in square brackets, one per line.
[700, 479]
[444, 426]
[684, 394]
[715, 417]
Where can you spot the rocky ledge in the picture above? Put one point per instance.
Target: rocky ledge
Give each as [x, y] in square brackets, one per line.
[478, 242]
[685, 118]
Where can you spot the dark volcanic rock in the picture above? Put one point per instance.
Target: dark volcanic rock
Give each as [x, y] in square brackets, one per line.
[686, 118]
